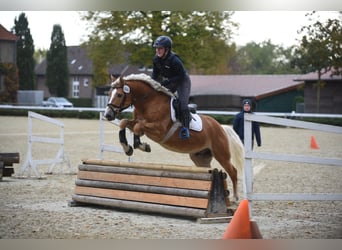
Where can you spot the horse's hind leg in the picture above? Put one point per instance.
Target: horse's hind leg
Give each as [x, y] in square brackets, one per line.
[202, 158]
[223, 157]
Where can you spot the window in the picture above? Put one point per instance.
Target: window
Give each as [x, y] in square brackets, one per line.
[2, 79]
[85, 82]
[75, 87]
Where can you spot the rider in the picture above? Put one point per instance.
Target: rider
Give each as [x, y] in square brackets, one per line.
[168, 69]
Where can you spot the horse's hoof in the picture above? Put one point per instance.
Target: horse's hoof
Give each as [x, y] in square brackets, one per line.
[147, 148]
[129, 152]
[144, 147]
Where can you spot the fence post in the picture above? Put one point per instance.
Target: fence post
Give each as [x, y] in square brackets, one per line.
[248, 169]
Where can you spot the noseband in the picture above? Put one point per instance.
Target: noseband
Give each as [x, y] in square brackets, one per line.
[116, 108]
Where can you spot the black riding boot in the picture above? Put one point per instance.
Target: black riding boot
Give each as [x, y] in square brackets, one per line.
[185, 119]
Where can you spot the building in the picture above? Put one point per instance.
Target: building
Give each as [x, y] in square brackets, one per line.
[8, 59]
[270, 93]
[330, 93]
[81, 73]
[8, 46]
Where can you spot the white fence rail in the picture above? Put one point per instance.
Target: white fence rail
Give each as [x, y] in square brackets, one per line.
[30, 163]
[209, 112]
[250, 155]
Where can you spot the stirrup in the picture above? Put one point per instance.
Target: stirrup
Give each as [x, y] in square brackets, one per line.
[184, 133]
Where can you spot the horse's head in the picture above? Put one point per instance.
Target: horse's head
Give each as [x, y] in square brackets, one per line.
[119, 99]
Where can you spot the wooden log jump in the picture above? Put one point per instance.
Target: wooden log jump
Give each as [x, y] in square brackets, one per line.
[165, 189]
[6, 163]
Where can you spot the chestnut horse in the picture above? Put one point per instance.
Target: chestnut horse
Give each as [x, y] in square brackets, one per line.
[152, 117]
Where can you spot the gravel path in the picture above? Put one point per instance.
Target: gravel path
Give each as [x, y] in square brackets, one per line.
[38, 209]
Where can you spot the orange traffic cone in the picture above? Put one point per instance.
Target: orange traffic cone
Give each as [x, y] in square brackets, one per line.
[240, 227]
[313, 143]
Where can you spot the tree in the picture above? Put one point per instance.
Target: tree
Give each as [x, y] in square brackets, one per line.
[200, 38]
[264, 58]
[57, 71]
[11, 82]
[320, 51]
[25, 52]
[39, 55]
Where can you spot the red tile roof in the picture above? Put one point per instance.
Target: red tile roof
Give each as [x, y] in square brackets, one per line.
[242, 85]
[6, 35]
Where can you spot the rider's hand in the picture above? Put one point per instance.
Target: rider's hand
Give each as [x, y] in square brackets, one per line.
[165, 82]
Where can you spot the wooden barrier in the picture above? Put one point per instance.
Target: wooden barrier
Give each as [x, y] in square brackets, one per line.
[6, 163]
[166, 189]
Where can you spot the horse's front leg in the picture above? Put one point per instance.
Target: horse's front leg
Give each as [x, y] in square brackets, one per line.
[122, 136]
[138, 132]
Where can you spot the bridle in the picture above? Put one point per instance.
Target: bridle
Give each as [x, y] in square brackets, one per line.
[126, 91]
[120, 107]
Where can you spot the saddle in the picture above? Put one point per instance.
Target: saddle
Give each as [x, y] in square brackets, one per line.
[196, 121]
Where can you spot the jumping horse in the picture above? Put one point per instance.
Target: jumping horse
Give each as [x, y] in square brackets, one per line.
[152, 117]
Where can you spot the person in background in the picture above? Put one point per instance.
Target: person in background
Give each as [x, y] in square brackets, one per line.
[238, 123]
[168, 69]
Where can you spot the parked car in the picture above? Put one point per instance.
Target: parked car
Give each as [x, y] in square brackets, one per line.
[59, 102]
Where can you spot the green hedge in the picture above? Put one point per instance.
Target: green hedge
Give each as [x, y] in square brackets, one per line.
[53, 113]
[328, 121]
[81, 102]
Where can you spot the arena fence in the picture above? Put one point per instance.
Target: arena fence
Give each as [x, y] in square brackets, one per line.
[250, 155]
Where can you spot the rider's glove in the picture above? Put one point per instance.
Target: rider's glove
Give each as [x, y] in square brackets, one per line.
[165, 82]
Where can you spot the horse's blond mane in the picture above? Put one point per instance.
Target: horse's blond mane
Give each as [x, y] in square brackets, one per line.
[146, 78]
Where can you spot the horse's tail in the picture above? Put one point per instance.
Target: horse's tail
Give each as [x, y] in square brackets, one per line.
[236, 148]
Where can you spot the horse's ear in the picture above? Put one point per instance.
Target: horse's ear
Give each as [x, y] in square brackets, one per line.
[121, 80]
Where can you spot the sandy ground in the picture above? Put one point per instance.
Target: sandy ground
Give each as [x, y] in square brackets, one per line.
[38, 209]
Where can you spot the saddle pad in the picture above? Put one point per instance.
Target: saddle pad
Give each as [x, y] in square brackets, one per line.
[195, 123]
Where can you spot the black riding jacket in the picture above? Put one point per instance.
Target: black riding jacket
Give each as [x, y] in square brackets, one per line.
[169, 70]
[238, 126]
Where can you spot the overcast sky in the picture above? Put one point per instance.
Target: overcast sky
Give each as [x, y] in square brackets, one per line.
[279, 26]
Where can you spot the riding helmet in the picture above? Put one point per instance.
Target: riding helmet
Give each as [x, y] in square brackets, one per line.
[163, 42]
